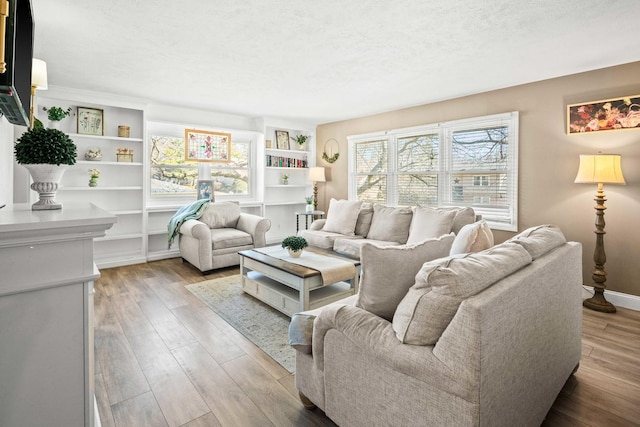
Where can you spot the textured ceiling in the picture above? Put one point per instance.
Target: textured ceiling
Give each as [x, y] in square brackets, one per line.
[325, 60]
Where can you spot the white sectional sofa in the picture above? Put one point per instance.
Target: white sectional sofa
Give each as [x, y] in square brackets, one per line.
[351, 224]
[481, 339]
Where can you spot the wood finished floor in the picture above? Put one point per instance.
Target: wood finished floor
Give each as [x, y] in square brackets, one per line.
[163, 358]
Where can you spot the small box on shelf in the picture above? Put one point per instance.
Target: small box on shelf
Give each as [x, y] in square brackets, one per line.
[124, 155]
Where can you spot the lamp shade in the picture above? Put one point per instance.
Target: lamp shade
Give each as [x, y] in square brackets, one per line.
[317, 174]
[600, 168]
[39, 74]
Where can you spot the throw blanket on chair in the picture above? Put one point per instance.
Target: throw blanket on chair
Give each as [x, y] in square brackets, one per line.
[191, 211]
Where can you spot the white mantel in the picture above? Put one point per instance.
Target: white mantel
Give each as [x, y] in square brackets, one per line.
[46, 314]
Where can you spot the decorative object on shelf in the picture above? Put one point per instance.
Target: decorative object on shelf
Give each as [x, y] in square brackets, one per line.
[55, 115]
[282, 140]
[316, 174]
[204, 190]
[206, 146]
[90, 121]
[599, 169]
[331, 151]
[124, 155]
[301, 140]
[285, 179]
[607, 114]
[267, 143]
[93, 154]
[123, 131]
[95, 174]
[295, 245]
[46, 153]
[310, 205]
[38, 81]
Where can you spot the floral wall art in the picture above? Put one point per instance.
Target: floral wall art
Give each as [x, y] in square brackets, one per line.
[205, 146]
[609, 114]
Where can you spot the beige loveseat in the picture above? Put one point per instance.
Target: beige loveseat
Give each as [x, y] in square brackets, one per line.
[351, 224]
[483, 339]
[213, 240]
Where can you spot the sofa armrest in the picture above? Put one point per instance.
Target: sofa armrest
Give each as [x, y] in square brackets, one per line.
[255, 225]
[376, 336]
[317, 224]
[196, 229]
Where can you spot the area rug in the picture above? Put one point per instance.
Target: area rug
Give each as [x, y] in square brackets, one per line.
[265, 326]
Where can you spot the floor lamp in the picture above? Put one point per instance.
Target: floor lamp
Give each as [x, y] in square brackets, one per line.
[599, 169]
[316, 174]
[38, 81]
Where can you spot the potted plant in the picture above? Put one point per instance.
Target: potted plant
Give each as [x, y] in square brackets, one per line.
[55, 114]
[295, 245]
[285, 179]
[301, 140]
[95, 174]
[309, 207]
[46, 153]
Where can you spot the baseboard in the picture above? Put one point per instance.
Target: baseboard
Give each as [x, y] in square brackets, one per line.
[632, 302]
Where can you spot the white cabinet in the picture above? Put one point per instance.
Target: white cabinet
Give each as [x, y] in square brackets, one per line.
[121, 184]
[46, 314]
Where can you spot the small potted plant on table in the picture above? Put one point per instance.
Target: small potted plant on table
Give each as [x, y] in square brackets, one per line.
[295, 245]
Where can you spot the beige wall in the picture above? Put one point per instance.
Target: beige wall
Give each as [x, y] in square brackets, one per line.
[548, 160]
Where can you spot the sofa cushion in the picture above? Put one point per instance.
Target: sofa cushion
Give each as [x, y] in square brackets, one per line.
[540, 239]
[389, 271]
[221, 215]
[223, 238]
[428, 223]
[342, 216]
[463, 217]
[323, 239]
[364, 220]
[390, 224]
[441, 286]
[351, 247]
[474, 237]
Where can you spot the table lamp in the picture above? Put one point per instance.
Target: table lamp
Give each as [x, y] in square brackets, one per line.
[38, 81]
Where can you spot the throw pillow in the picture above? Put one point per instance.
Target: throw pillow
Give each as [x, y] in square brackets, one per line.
[364, 220]
[389, 271]
[474, 237]
[221, 215]
[390, 224]
[342, 216]
[441, 286]
[428, 223]
[540, 239]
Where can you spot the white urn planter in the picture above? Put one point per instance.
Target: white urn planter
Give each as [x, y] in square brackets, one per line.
[46, 180]
[309, 208]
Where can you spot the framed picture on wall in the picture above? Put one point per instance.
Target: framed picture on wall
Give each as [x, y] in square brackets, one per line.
[206, 146]
[605, 114]
[282, 140]
[204, 189]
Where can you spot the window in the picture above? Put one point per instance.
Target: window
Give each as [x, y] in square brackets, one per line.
[171, 175]
[471, 162]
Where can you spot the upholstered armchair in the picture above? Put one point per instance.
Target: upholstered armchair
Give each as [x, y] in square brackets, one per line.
[213, 240]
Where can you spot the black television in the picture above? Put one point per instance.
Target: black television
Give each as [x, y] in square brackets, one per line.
[15, 82]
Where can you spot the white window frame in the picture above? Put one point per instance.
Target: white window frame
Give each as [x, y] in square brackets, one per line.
[494, 217]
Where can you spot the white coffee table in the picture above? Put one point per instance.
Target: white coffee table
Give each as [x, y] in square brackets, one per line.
[291, 288]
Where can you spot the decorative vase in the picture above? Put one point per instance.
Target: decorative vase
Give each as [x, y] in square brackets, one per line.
[309, 208]
[46, 180]
[54, 124]
[295, 254]
[93, 182]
